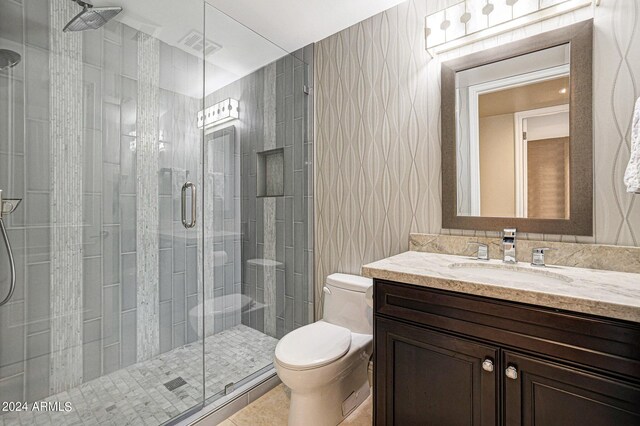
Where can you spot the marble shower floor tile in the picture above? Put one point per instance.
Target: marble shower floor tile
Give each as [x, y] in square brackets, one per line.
[137, 395]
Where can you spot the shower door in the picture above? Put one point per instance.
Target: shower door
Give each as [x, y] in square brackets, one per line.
[99, 137]
[257, 201]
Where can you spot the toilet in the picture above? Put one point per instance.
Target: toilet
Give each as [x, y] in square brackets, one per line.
[325, 363]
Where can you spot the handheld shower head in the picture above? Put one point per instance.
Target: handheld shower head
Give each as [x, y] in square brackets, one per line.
[91, 18]
[8, 59]
[8, 205]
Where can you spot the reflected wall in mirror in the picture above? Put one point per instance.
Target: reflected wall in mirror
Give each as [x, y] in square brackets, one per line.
[513, 136]
[517, 135]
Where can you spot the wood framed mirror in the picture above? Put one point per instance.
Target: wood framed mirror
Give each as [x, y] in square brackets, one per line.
[517, 138]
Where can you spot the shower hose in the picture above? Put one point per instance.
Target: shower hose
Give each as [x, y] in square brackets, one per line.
[12, 264]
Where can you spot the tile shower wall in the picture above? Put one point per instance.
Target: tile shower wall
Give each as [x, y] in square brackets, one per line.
[109, 76]
[222, 230]
[179, 161]
[65, 130]
[276, 248]
[378, 127]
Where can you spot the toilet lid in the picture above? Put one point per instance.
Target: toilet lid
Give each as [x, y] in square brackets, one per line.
[313, 345]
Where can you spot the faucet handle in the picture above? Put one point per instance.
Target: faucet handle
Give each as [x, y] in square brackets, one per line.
[509, 246]
[509, 233]
[483, 250]
[537, 256]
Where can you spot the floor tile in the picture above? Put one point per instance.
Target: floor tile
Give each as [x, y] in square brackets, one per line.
[272, 409]
[137, 395]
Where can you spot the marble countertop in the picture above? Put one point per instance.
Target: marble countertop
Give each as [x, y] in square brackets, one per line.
[597, 292]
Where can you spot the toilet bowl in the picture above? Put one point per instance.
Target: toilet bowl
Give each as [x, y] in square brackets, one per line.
[325, 363]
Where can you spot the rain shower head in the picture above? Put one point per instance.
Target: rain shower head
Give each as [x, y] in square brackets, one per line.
[8, 59]
[91, 18]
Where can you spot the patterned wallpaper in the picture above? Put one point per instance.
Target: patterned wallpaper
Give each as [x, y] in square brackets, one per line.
[378, 132]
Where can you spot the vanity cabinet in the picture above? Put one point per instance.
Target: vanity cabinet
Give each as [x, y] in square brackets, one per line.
[547, 393]
[431, 375]
[446, 358]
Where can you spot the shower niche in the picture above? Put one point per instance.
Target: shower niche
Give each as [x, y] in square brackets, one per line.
[270, 173]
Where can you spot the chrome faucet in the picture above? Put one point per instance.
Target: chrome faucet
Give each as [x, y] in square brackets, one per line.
[483, 250]
[509, 246]
[537, 256]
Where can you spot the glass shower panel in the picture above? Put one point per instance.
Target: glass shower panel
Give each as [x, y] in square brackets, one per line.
[98, 135]
[257, 201]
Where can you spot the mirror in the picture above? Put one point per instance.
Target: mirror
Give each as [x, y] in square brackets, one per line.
[513, 139]
[517, 135]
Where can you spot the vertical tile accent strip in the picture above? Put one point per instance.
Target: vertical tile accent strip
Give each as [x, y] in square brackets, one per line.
[269, 207]
[65, 105]
[147, 221]
[207, 246]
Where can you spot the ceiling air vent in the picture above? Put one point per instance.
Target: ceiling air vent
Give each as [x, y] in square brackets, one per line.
[196, 42]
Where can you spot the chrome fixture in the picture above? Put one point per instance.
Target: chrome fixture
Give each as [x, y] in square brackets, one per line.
[8, 206]
[91, 18]
[223, 111]
[483, 250]
[458, 21]
[9, 59]
[487, 365]
[192, 223]
[509, 246]
[229, 388]
[511, 372]
[537, 256]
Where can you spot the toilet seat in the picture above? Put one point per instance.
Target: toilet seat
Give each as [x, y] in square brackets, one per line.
[313, 346]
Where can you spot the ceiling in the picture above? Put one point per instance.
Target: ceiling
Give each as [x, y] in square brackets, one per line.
[249, 34]
[292, 24]
[524, 98]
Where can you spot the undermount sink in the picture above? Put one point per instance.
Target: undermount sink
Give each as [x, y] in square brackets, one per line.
[511, 273]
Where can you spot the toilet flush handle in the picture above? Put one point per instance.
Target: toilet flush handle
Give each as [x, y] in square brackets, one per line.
[368, 297]
[326, 290]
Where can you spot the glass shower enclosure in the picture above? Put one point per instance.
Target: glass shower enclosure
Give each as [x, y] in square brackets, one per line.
[162, 244]
[257, 200]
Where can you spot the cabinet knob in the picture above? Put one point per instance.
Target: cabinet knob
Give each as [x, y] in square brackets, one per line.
[487, 365]
[511, 372]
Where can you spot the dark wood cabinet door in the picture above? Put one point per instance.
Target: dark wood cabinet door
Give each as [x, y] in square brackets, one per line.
[428, 378]
[549, 394]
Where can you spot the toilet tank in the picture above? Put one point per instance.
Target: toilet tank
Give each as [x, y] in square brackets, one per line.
[345, 302]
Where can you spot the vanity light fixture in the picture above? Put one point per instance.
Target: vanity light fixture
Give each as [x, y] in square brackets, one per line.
[133, 143]
[469, 21]
[219, 113]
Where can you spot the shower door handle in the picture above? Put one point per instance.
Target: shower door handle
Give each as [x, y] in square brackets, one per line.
[192, 222]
